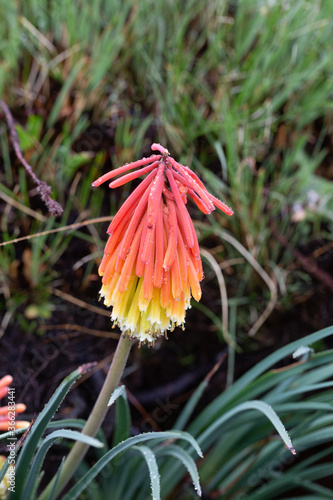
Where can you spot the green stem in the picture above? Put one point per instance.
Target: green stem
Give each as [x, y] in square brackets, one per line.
[95, 419]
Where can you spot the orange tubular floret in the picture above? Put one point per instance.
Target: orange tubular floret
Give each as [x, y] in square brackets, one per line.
[194, 177]
[165, 289]
[157, 147]
[197, 264]
[171, 228]
[194, 253]
[155, 307]
[127, 270]
[3, 391]
[176, 285]
[140, 265]
[148, 244]
[178, 310]
[19, 408]
[188, 181]
[187, 292]
[20, 424]
[6, 381]
[182, 190]
[153, 202]
[126, 242]
[159, 246]
[111, 287]
[110, 267]
[103, 264]
[122, 306]
[116, 296]
[194, 281]
[195, 249]
[181, 309]
[125, 168]
[198, 201]
[131, 202]
[133, 175]
[167, 194]
[222, 206]
[116, 236]
[155, 195]
[147, 288]
[184, 218]
[182, 255]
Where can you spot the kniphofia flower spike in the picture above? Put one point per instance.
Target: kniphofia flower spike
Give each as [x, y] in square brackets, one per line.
[151, 266]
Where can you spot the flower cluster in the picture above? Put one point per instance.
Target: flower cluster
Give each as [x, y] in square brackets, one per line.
[6, 417]
[151, 266]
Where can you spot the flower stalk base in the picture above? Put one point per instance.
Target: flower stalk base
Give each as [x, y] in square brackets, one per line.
[95, 419]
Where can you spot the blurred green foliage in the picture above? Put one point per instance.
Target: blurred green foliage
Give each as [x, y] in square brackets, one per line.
[240, 91]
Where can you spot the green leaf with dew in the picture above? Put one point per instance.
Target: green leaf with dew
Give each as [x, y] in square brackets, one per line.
[121, 447]
[31, 481]
[150, 459]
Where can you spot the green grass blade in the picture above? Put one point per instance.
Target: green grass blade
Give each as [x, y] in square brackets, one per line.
[64, 92]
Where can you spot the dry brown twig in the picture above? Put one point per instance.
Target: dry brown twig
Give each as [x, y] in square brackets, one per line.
[71, 227]
[43, 189]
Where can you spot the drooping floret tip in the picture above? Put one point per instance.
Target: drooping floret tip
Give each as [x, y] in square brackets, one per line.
[221, 206]
[229, 211]
[158, 147]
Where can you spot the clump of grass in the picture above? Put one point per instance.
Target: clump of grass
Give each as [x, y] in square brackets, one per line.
[244, 89]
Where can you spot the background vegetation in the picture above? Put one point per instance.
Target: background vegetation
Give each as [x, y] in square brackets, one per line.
[241, 91]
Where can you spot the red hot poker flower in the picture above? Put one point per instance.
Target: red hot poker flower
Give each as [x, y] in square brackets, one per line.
[151, 266]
